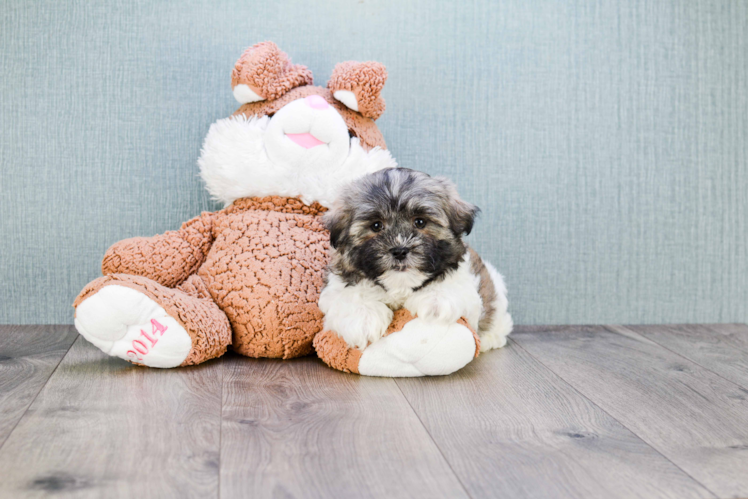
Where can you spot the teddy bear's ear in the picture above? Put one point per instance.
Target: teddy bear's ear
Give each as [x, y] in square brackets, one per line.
[358, 84]
[265, 72]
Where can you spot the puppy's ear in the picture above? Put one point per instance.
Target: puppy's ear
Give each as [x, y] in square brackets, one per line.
[460, 213]
[462, 216]
[337, 221]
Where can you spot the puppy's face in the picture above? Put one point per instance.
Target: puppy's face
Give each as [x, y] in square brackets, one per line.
[399, 221]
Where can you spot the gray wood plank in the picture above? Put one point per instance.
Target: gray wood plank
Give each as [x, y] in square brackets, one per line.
[104, 428]
[299, 429]
[28, 356]
[694, 417]
[511, 428]
[722, 349]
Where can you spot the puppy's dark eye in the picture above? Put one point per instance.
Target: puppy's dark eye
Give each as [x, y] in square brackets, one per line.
[419, 223]
[377, 226]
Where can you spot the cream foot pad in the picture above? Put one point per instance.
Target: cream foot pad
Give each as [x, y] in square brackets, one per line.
[126, 323]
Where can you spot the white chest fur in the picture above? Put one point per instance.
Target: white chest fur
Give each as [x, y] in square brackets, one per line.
[399, 286]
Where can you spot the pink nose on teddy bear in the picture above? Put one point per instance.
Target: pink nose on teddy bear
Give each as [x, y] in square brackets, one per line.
[316, 102]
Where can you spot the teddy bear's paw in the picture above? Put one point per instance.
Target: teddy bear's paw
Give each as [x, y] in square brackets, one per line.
[126, 323]
[358, 85]
[420, 348]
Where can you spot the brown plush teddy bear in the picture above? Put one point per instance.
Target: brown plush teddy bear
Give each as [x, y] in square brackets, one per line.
[250, 275]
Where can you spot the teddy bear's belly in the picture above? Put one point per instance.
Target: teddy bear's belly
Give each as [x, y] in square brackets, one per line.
[265, 271]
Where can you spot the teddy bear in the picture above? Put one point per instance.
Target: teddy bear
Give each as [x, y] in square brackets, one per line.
[249, 276]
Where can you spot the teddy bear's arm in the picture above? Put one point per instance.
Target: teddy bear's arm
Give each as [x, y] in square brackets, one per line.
[167, 258]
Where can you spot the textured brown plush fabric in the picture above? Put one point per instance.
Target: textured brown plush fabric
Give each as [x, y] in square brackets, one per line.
[168, 258]
[366, 80]
[206, 324]
[399, 318]
[258, 263]
[363, 128]
[336, 354]
[265, 271]
[268, 71]
[275, 204]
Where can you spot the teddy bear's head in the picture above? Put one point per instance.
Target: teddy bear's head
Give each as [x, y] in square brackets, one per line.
[291, 138]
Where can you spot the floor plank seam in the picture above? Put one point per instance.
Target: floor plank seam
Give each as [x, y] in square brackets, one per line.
[220, 427]
[592, 402]
[38, 392]
[678, 354]
[459, 480]
[710, 327]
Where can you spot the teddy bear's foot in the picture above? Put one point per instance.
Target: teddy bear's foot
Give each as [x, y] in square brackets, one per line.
[126, 323]
[125, 316]
[412, 348]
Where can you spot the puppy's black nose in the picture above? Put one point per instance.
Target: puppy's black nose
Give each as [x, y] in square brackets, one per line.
[399, 252]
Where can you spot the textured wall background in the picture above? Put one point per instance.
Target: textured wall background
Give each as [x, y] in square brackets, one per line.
[607, 142]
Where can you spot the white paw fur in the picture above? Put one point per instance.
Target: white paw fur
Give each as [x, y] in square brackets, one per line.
[357, 313]
[450, 299]
[118, 320]
[439, 308]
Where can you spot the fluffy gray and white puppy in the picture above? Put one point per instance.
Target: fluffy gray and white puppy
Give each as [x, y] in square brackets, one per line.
[397, 237]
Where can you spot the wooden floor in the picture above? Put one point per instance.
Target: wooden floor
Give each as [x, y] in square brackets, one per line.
[656, 411]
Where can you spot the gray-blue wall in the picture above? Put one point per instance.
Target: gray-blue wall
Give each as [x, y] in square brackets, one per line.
[606, 142]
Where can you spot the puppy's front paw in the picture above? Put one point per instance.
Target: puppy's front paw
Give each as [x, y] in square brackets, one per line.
[359, 324]
[437, 307]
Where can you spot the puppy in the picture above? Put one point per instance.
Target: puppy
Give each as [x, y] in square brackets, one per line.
[397, 242]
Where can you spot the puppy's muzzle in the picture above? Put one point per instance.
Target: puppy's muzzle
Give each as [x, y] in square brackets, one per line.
[399, 253]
